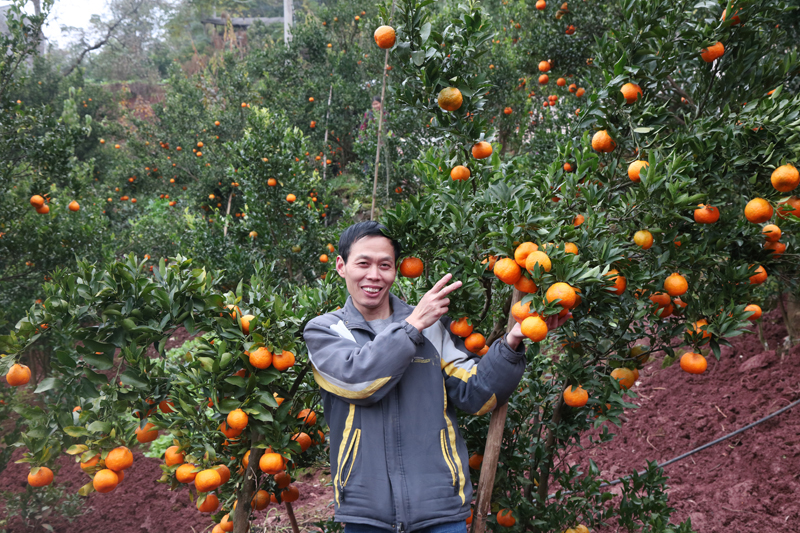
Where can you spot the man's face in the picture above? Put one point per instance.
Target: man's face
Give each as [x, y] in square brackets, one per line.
[376, 106]
[369, 272]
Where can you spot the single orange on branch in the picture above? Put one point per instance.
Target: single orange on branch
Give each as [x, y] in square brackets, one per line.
[507, 271]
[411, 267]
[620, 281]
[461, 327]
[631, 92]
[706, 214]
[481, 150]
[237, 419]
[385, 37]
[785, 178]
[575, 397]
[643, 239]
[676, 285]
[602, 142]
[475, 342]
[459, 173]
[758, 210]
[563, 293]
[18, 375]
[450, 99]
[635, 169]
[624, 377]
[534, 328]
[713, 52]
[540, 259]
[693, 363]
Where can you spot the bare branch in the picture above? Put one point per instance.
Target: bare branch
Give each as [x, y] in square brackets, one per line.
[105, 39]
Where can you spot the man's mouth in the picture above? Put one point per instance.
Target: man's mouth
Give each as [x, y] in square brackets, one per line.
[372, 291]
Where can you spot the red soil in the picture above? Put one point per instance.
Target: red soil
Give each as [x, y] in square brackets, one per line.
[747, 483]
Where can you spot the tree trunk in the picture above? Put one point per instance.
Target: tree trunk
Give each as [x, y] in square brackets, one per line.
[292, 519]
[549, 446]
[241, 516]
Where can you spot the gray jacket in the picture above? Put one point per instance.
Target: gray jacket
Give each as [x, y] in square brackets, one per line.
[398, 460]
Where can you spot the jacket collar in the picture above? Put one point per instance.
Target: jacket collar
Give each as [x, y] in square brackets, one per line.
[354, 318]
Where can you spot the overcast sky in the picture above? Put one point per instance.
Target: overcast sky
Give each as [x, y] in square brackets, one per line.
[68, 13]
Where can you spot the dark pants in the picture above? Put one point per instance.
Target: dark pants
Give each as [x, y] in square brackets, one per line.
[452, 527]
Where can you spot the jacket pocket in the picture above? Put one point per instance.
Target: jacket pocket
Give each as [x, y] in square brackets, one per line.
[447, 457]
[349, 460]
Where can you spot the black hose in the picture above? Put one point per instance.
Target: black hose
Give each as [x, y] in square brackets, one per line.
[701, 448]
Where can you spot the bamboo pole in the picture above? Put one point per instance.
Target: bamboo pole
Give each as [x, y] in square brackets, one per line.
[491, 452]
[292, 518]
[380, 128]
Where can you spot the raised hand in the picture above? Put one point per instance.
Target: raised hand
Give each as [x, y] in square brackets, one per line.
[434, 304]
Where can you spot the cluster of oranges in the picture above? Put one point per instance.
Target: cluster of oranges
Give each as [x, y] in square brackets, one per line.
[40, 204]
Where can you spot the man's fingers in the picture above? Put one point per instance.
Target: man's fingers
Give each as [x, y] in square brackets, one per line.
[450, 288]
[441, 283]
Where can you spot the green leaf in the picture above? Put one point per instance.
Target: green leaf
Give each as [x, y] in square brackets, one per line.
[76, 431]
[100, 427]
[46, 384]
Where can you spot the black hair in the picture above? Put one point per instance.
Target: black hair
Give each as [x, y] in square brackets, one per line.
[376, 98]
[368, 228]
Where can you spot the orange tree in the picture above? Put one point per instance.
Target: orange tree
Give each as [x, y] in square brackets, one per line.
[239, 406]
[626, 251]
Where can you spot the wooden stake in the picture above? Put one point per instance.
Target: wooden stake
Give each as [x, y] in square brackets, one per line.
[327, 115]
[227, 216]
[380, 128]
[491, 452]
[292, 519]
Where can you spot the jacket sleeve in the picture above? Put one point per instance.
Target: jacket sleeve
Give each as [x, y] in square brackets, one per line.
[477, 384]
[360, 375]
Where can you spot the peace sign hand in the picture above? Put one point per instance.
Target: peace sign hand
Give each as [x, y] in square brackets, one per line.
[433, 305]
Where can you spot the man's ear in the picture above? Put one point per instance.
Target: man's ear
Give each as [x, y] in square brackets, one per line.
[340, 266]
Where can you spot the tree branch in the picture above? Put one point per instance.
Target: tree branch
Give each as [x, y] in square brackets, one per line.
[103, 41]
[680, 91]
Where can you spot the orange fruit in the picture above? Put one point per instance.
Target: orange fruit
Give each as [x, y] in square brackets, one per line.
[224, 473]
[759, 277]
[775, 248]
[284, 360]
[643, 238]
[561, 82]
[522, 252]
[272, 463]
[635, 168]
[676, 285]
[105, 481]
[246, 319]
[226, 524]
[40, 477]
[544, 66]
[228, 431]
[755, 309]
[526, 285]
[481, 150]
[290, 494]
[37, 201]
[570, 248]
[624, 376]
[785, 178]
[384, 37]
[538, 258]
[147, 433]
[18, 375]
[620, 282]
[790, 206]
[758, 210]
[119, 458]
[260, 501]
[475, 342]
[461, 327]
[290, 198]
[693, 363]
[282, 480]
[712, 52]
[246, 459]
[43, 210]
[237, 419]
[534, 328]
[602, 142]
[567, 167]
[173, 457]
[166, 406]
[664, 312]
[261, 358]
[492, 259]
[209, 504]
[520, 311]
[91, 463]
[575, 397]
[507, 271]
[580, 92]
[475, 461]
[661, 299]
[303, 439]
[185, 473]
[308, 417]
[504, 516]
[631, 92]
[508, 111]
[411, 267]
[578, 220]
[459, 173]
[272, 182]
[706, 214]
[543, 79]
[695, 328]
[73, 206]
[771, 232]
[563, 292]
[207, 480]
[449, 99]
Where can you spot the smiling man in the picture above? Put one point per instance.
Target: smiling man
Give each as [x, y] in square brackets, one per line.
[391, 376]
